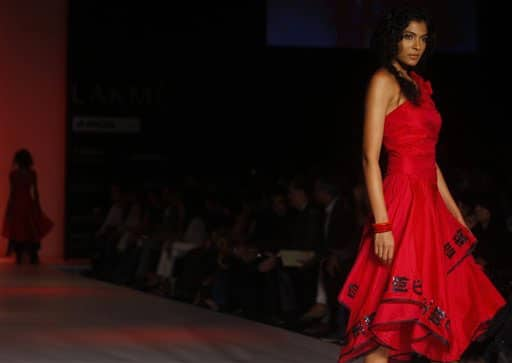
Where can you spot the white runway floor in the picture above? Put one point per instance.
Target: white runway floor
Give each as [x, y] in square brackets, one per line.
[51, 316]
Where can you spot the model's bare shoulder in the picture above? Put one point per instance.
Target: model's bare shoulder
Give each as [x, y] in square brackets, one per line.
[383, 82]
[383, 75]
[382, 87]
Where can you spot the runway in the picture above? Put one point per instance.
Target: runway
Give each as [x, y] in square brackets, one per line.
[47, 315]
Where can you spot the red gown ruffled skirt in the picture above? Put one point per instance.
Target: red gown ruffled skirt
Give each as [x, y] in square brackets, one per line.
[24, 221]
[434, 299]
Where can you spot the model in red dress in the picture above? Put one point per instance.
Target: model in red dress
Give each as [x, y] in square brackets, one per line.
[24, 224]
[415, 287]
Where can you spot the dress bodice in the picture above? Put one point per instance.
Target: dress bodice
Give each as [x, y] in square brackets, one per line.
[411, 133]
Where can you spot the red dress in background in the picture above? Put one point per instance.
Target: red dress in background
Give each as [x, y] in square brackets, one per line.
[433, 299]
[24, 220]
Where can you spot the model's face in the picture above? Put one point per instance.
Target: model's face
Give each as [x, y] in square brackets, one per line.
[413, 43]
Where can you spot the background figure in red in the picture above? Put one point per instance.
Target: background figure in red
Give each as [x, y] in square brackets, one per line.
[25, 224]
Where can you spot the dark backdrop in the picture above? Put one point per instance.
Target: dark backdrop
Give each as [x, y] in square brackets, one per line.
[210, 98]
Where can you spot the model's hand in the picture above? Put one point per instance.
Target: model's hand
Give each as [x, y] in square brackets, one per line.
[385, 246]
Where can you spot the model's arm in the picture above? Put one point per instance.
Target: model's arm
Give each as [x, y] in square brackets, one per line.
[379, 97]
[447, 197]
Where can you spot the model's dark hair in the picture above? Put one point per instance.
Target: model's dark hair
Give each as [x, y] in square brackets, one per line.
[24, 159]
[389, 33]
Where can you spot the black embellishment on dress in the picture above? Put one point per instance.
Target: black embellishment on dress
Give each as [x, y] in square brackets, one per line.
[460, 239]
[361, 328]
[400, 283]
[352, 290]
[437, 316]
[449, 251]
[417, 287]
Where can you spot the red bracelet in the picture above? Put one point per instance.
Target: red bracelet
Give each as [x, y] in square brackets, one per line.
[381, 227]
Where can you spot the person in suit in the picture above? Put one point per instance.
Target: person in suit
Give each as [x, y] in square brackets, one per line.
[336, 253]
[305, 235]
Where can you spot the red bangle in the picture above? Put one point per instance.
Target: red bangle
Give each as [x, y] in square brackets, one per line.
[381, 227]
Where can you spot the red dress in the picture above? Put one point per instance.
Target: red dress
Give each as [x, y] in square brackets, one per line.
[24, 221]
[433, 299]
